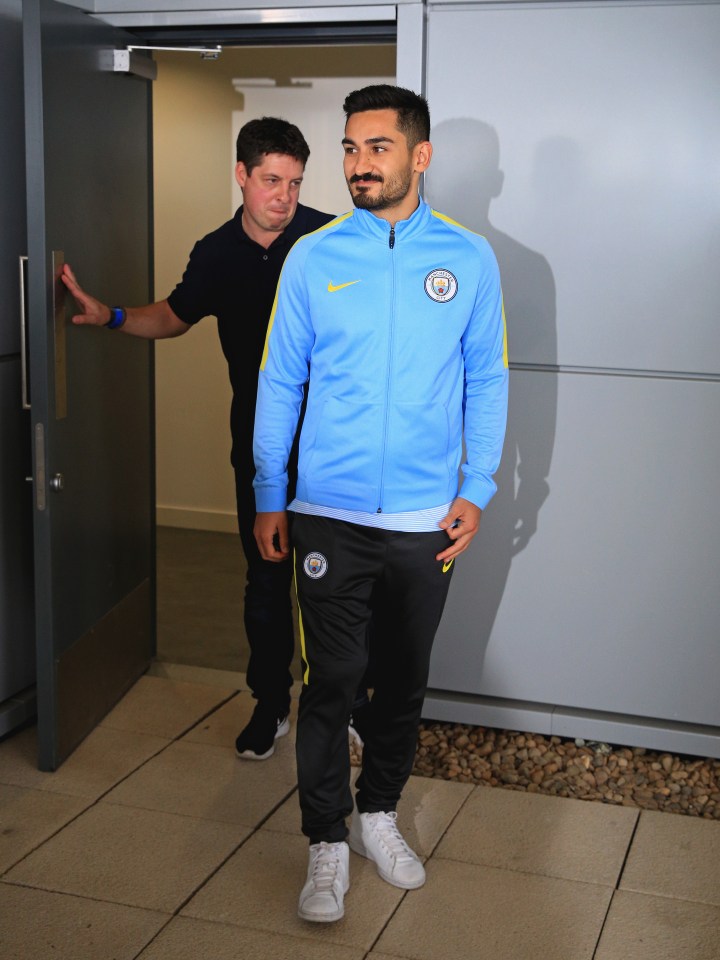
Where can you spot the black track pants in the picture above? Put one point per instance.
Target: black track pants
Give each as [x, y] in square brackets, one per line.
[268, 613]
[344, 574]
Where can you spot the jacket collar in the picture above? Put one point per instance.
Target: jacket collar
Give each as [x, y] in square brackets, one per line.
[379, 229]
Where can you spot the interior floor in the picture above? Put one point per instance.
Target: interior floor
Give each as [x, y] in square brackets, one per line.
[200, 589]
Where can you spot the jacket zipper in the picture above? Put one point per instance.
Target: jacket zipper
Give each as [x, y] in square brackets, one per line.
[391, 244]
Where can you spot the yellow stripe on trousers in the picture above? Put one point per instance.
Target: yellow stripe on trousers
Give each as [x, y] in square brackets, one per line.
[300, 624]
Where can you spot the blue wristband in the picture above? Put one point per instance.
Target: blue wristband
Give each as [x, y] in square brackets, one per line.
[117, 318]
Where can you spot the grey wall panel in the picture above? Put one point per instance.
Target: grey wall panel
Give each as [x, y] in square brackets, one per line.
[584, 139]
[605, 595]
[12, 174]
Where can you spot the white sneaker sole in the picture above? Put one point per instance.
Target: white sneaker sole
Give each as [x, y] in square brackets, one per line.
[322, 918]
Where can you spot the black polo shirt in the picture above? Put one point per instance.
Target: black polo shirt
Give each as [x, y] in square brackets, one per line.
[233, 278]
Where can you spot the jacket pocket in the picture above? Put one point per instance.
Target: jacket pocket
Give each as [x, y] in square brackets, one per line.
[340, 454]
[420, 467]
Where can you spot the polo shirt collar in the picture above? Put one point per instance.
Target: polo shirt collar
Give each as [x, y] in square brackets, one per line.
[290, 234]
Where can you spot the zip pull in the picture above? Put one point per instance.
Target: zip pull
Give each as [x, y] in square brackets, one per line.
[392, 237]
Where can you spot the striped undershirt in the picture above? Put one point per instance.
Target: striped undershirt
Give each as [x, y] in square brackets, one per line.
[411, 521]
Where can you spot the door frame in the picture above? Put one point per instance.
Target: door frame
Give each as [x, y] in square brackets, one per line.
[152, 18]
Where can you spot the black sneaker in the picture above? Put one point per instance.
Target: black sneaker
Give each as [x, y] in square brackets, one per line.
[257, 740]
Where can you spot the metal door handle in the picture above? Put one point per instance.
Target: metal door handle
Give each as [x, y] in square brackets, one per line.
[24, 390]
[57, 483]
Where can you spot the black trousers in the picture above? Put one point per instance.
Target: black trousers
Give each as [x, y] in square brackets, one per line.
[268, 613]
[345, 574]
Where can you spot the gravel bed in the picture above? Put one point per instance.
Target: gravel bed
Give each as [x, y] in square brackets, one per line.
[627, 776]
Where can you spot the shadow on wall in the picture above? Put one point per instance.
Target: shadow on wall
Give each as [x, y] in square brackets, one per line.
[463, 180]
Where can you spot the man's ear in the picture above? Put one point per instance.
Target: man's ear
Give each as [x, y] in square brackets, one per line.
[241, 174]
[422, 156]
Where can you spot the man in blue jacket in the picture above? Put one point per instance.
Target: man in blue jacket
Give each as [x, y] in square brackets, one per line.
[394, 314]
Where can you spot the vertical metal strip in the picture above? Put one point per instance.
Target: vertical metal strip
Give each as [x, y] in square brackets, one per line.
[25, 384]
[40, 478]
[58, 259]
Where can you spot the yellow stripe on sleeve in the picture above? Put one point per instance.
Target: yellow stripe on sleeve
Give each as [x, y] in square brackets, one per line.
[266, 348]
[454, 223]
[505, 346]
[442, 216]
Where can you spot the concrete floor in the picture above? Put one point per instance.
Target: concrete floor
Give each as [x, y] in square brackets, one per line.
[154, 841]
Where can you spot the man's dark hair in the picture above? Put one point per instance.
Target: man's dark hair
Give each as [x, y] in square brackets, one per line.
[412, 109]
[270, 135]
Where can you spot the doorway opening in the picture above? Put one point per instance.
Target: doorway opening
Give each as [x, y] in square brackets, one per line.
[198, 107]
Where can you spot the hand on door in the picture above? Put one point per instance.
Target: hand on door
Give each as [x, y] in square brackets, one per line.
[154, 321]
[93, 311]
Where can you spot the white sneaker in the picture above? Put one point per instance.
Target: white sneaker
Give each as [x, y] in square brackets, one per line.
[376, 836]
[328, 880]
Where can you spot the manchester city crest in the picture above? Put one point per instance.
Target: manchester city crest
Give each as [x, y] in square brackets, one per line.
[441, 285]
[315, 565]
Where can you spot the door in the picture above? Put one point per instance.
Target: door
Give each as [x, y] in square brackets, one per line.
[88, 185]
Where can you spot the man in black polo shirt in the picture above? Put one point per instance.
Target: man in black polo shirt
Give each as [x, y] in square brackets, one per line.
[232, 274]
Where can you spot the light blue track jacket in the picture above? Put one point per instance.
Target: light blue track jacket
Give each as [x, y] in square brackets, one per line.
[402, 334]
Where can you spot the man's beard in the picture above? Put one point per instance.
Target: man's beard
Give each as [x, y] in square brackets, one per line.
[392, 191]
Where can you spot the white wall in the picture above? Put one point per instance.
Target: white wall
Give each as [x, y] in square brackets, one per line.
[197, 114]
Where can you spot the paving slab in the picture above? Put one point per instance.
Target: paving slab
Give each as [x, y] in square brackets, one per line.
[126, 855]
[471, 912]
[103, 759]
[37, 925]
[374, 955]
[382, 956]
[550, 836]
[210, 783]
[29, 817]
[643, 927]
[675, 856]
[165, 708]
[188, 939]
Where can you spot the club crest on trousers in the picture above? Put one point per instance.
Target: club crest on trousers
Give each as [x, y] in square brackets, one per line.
[315, 566]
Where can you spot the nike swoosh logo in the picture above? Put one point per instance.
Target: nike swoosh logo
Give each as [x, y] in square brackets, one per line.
[332, 288]
[446, 566]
